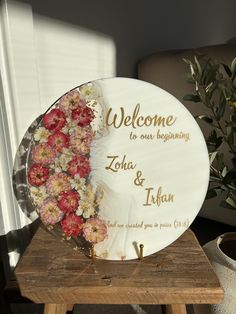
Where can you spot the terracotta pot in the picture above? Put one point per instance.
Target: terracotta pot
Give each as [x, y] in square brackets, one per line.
[222, 254]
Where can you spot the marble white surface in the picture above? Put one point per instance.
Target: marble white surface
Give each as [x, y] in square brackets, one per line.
[170, 157]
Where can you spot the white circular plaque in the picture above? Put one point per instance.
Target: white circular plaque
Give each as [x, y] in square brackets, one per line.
[153, 165]
[134, 145]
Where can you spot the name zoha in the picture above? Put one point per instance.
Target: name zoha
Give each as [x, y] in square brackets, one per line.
[157, 198]
[116, 165]
[136, 119]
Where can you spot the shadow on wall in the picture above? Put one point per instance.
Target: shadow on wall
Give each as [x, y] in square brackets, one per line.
[16, 241]
[140, 28]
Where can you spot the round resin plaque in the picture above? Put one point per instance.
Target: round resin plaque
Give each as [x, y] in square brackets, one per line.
[116, 163]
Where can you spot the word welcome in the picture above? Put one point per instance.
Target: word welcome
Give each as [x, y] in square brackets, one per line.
[137, 120]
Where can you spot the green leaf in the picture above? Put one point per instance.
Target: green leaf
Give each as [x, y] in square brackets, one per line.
[210, 73]
[230, 201]
[233, 65]
[220, 161]
[190, 97]
[187, 61]
[198, 66]
[213, 142]
[220, 110]
[205, 118]
[189, 78]
[209, 87]
[230, 177]
[224, 171]
[213, 178]
[225, 204]
[224, 188]
[212, 157]
[233, 117]
[227, 69]
[213, 136]
[234, 161]
[230, 135]
[213, 192]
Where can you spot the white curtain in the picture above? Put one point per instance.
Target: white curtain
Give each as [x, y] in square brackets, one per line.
[36, 68]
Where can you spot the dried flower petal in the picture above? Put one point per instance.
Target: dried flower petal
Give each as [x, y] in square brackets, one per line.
[95, 230]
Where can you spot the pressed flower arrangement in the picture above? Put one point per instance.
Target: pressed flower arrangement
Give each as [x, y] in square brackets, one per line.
[59, 168]
[90, 179]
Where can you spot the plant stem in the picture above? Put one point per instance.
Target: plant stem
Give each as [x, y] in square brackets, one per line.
[222, 130]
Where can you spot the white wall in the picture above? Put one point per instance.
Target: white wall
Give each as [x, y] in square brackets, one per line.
[140, 27]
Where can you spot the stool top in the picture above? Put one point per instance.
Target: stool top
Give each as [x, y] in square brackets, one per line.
[51, 272]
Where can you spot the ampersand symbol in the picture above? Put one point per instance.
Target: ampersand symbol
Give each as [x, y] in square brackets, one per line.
[138, 180]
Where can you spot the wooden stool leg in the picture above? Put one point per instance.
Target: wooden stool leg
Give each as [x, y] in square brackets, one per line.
[175, 309]
[57, 308]
[70, 307]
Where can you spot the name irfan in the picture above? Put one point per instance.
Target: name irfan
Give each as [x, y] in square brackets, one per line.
[157, 198]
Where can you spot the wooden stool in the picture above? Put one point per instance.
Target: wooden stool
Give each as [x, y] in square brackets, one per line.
[49, 272]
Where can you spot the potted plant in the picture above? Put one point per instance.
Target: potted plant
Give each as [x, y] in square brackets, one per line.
[215, 87]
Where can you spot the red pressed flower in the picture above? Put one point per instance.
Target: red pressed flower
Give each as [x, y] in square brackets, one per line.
[82, 115]
[38, 175]
[79, 165]
[54, 120]
[43, 154]
[68, 201]
[72, 225]
[58, 140]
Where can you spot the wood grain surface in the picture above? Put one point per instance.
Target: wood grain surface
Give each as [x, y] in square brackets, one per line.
[51, 272]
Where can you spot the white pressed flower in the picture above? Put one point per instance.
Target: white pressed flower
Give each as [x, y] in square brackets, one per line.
[38, 194]
[68, 154]
[78, 184]
[99, 196]
[86, 209]
[69, 127]
[61, 163]
[79, 211]
[89, 92]
[57, 169]
[41, 135]
[88, 213]
[88, 194]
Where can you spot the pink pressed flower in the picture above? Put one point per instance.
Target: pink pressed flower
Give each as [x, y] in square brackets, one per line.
[81, 139]
[72, 225]
[70, 101]
[54, 120]
[79, 165]
[57, 183]
[58, 141]
[68, 201]
[95, 230]
[49, 212]
[37, 175]
[43, 154]
[83, 116]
